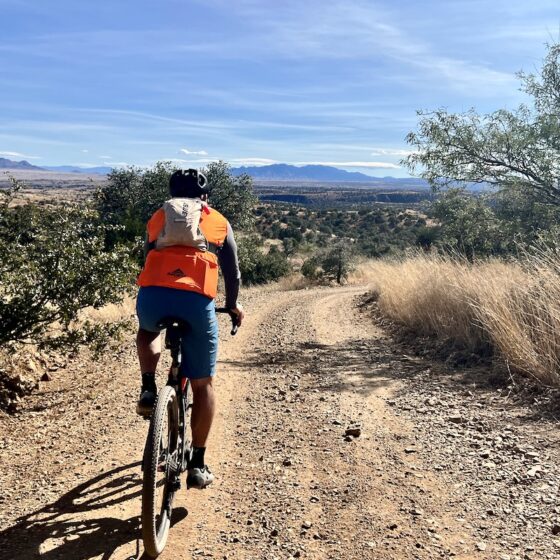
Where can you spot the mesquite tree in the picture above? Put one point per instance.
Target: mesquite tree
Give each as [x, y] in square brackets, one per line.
[517, 151]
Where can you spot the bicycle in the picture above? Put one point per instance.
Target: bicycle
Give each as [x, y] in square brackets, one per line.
[166, 452]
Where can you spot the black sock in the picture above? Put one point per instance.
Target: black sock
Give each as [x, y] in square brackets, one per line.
[197, 459]
[149, 381]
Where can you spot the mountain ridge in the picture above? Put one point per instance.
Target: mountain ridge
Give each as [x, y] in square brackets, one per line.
[287, 172]
[100, 170]
[283, 172]
[23, 164]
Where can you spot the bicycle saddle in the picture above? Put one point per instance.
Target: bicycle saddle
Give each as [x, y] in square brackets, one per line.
[173, 323]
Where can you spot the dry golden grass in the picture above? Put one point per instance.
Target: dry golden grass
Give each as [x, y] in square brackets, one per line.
[515, 307]
[295, 281]
[111, 312]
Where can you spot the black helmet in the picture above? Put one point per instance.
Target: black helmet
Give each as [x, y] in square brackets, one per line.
[187, 183]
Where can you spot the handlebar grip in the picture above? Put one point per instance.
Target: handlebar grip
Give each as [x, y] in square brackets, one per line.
[232, 316]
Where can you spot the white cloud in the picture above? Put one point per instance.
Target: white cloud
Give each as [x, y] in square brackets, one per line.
[233, 161]
[190, 161]
[365, 164]
[85, 151]
[105, 157]
[17, 155]
[391, 152]
[188, 152]
[86, 164]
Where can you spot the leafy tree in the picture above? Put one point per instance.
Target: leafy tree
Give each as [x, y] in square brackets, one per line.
[290, 245]
[232, 196]
[523, 218]
[53, 264]
[517, 151]
[132, 195]
[468, 224]
[337, 263]
[334, 264]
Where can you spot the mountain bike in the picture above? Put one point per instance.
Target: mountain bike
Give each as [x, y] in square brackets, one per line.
[166, 453]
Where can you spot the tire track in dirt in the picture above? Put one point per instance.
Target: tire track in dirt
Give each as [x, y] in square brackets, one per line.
[291, 485]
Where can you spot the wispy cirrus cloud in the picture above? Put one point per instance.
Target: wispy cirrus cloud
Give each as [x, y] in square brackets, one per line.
[253, 161]
[391, 152]
[17, 155]
[322, 31]
[334, 82]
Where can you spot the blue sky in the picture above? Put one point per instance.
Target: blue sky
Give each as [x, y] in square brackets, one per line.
[253, 82]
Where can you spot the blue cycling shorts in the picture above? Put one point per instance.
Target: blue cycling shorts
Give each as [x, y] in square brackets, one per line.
[199, 349]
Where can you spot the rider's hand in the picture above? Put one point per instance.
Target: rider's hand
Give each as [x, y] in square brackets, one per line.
[238, 310]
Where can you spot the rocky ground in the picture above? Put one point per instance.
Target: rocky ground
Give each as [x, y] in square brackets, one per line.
[332, 441]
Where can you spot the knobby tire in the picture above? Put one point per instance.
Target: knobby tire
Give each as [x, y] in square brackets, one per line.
[156, 530]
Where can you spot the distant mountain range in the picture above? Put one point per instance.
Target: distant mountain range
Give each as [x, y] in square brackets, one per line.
[9, 164]
[275, 172]
[73, 169]
[285, 172]
[324, 174]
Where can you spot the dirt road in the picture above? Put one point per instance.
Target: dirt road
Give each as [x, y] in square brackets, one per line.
[306, 366]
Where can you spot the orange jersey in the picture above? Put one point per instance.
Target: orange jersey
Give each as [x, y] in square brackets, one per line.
[181, 267]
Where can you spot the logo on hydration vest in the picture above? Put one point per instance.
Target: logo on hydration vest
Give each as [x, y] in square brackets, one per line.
[178, 273]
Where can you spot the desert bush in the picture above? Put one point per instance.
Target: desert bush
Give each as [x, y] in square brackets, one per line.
[53, 264]
[469, 226]
[334, 264]
[512, 306]
[258, 267]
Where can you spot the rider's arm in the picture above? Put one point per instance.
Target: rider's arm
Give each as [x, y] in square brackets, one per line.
[229, 263]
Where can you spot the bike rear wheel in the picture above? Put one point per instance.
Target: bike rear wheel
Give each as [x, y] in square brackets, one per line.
[161, 470]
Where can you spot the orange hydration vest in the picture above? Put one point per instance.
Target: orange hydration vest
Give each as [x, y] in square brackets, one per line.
[182, 267]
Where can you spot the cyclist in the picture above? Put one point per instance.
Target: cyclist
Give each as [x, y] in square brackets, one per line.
[186, 241]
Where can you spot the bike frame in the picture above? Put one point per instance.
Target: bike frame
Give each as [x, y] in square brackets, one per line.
[172, 458]
[173, 338]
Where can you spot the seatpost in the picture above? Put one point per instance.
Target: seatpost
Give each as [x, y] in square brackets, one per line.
[173, 344]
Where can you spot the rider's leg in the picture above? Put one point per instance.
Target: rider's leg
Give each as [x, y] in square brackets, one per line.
[200, 348]
[204, 405]
[148, 345]
[199, 475]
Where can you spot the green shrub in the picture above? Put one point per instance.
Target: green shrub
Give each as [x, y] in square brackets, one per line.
[258, 267]
[334, 264]
[53, 264]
